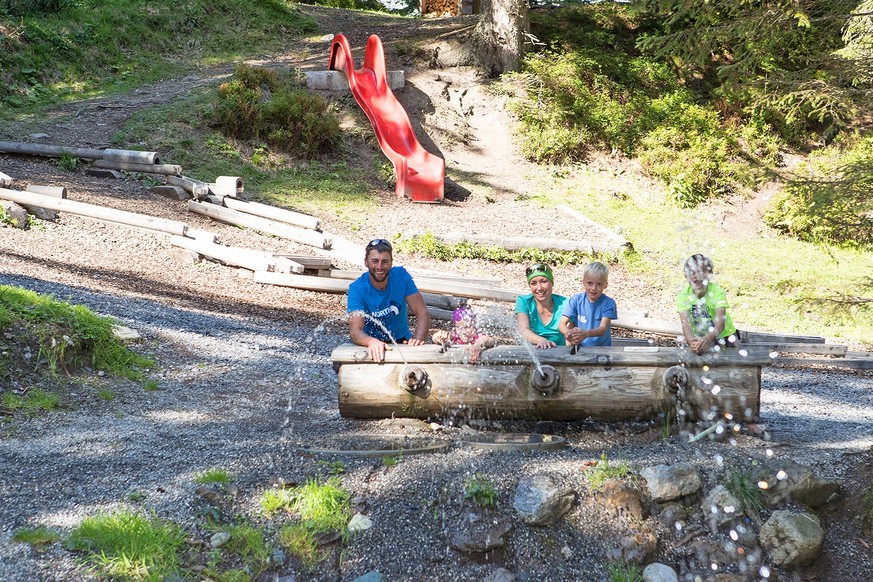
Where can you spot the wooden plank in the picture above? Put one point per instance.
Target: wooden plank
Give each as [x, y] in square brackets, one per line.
[303, 282]
[265, 225]
[519, 243]
[236, 256]
[309, 262]
[354, 274]
[94, 211]
[846, 363]
[755, 337]
[118, 164]
[835, 350]
[267, 211]
[619, 241]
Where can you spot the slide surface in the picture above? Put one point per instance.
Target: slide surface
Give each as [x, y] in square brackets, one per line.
[420, 174]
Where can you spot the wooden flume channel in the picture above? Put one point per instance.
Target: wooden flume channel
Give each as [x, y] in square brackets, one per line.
[617, 383]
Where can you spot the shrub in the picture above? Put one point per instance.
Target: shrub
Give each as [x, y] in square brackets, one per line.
[260, 106]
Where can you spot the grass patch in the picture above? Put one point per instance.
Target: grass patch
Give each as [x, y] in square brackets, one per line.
[274, 500]
[480, 490]
[68, 336]
[150, 385]
[603, 470]
[213, 476]
[38, 536]
[247, 547]
[321, 508]
[129, 546]
[106, 394]
[744, 487]
[623, 572]
[32, 402]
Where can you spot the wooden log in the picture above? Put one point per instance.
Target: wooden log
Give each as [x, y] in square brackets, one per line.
[635, 323]
[196, 187]
[49, 150]
[265, 225]
[447, 302]
[354, 274]
[130, 156]
[235, 256]
[203, 235]
[233, 185]
[116, 164]
[5, 180]
[267, 211]
[303, 282]
[801, 348]
[53, 191]
[605, 384]
[309, 262]
[94, 211]
[614, 238]
[285, 265]
[438, 314]
[756, 337]
[519, 243]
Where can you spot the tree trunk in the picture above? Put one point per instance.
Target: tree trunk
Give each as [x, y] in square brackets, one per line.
[500, 35]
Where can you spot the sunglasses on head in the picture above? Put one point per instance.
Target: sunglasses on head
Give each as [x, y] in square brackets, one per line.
[537, 267]
[379, 242]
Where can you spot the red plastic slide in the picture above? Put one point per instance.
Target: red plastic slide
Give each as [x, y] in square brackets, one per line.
[420, 174]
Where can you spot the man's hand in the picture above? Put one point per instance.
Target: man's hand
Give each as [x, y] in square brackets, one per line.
[377, 349]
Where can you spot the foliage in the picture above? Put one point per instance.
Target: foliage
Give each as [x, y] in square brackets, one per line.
[778, 58]
[428, 245]
[273, 500]
[129, 545]
[829, 200]
[867, 509]
[32, 402]
[259, 105]
[604, 471]
[70, 336]
[213, 475]
[36, 536]
[742, 485]
[321, 508]
[480, 489]
[623, 572]
[85, 48]
[249, 543]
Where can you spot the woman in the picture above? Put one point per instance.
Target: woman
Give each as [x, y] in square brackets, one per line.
[539, 312]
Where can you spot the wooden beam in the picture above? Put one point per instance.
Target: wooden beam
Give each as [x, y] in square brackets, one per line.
[265, 225]
[447, 302]
[196, 187]
[236, 256]
[34, 149]
[800, 348]
[618, 241]
[645, 324]
[755, 336]
[439, 314]
[131, 156]
[5, 180]
[303, 282]
[519, 243]
[309, 262]
[94, 211]
[117, 164]
[267, 211]
[354, 274]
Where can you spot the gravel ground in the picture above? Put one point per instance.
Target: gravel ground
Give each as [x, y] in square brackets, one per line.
[245, 380]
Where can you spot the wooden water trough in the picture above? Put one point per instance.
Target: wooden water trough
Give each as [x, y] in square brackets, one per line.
[612, 384]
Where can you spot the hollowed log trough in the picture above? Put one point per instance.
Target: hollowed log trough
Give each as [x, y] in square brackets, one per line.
[612, 384]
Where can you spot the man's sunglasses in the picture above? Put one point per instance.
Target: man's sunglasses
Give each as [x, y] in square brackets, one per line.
[379, 242]
[537, 267]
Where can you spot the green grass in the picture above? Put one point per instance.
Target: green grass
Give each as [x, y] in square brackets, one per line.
[88, 49]
[106, 394]
[32, 402]
[249, 545]
[69, 336]
[623, 572]
[129, 546]
[742, 485]
[320, 507]
[604, 471]
[274, 500]
[38, 536]
[150, 385]
[480, 490]
[213, 476]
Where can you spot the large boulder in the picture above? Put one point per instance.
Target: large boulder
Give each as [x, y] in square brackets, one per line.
[669, 482]
[792, 538]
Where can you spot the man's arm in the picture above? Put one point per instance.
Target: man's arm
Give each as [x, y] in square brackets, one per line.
[422, 318]
[375, 348]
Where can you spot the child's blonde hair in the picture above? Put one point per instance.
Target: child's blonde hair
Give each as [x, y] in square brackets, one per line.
[596, 268]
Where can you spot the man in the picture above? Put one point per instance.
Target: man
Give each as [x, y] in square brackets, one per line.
[378, 301]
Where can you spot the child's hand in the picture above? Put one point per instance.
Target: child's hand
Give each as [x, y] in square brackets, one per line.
[575, 336]
[440, 336]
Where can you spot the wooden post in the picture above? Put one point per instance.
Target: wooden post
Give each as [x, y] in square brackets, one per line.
[262, 224]
[196, 187]
[236, 256]
[94, 211]
[131, 156]
[5, 180]
[116, 164]
[271, 212]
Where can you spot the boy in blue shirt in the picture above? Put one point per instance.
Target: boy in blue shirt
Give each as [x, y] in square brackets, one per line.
[588, 315]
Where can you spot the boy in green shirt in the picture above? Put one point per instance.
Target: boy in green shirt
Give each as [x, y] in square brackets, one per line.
[702, 308]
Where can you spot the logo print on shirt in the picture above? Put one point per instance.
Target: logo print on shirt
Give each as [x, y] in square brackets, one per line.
[390, 310]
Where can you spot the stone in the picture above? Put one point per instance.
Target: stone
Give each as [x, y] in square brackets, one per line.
[184, 256]
[792, 538]
[671, 514]
[671, 482]
[104, 173]
[790, 481]
[15, 214]
[541, 500]
[219, 539]
[42, 213]
[500, 575]
[636, 548]
[171, 192]
[627, 501]
[208, 494]
[709, 551]
[359, 522]
[721, 507]
[657, 572]
[370, 577]
[481, 535]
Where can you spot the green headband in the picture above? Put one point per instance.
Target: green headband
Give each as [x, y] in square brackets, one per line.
[541, 273]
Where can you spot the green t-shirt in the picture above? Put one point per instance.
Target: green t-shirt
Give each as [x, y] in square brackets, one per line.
[526, 304]
[701, 310]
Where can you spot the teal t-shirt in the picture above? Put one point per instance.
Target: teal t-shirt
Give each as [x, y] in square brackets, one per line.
[526, 304]
[701, 310]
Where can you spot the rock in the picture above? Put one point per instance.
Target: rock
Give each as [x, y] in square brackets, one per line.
[541, 500]
[103, 173]
[209, 494]
[184, 256]
[370, 577]
[721, 507]
[500, 575]
[792, 538]
[635, 549]
[172, 192]
[219, 539]
[790, 481]
[671, 514]
[15, 214]
[359, 522]
[708, 551]
[624, 499]
[41, 213]
[659, 573]
[482, 535]
[670, 482]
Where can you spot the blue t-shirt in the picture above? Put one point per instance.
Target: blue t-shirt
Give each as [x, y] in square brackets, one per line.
[587, 315]
[387, 306]
[527, 304]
